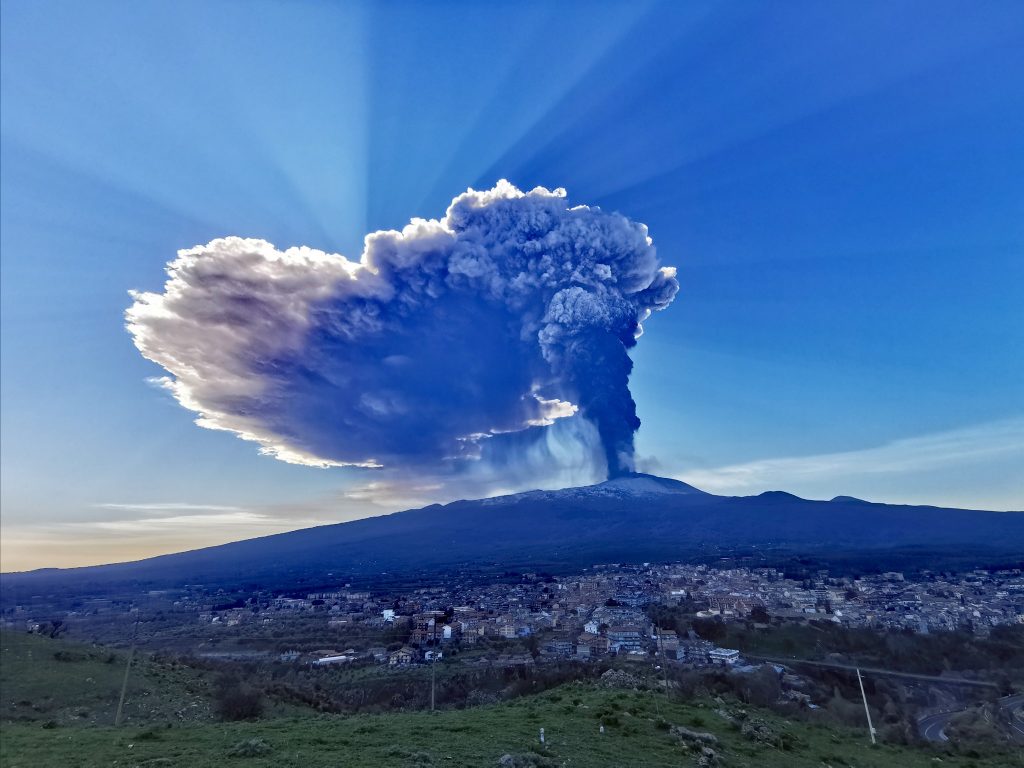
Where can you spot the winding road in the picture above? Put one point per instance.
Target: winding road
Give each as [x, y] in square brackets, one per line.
[933, 727]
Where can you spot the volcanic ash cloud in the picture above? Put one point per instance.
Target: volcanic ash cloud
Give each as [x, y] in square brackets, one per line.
[512, 311]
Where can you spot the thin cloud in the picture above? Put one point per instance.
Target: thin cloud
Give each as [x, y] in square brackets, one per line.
[158, 507]
[225, 519]
[934, 453]
[393, 494]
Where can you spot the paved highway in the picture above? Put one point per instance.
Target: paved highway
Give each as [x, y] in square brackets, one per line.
[1015, 706]
[784, 661]
[933, 727]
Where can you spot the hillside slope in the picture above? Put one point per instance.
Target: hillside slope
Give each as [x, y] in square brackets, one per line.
[629, 519]
[636, 732]
[60, 682]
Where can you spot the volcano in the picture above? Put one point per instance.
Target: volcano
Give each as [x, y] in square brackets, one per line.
[631, 518]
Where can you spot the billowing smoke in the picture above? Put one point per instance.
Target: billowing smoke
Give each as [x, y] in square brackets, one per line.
[512, 311]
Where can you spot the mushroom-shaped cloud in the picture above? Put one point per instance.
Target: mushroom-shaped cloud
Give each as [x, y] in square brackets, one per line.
[512, 311]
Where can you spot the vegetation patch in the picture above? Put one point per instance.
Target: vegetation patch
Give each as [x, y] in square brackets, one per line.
[250, 748]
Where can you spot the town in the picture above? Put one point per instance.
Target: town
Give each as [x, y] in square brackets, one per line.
[603, 611]
[939, 649]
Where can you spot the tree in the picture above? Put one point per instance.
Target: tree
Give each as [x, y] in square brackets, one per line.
[533, 646]
[761, 688]
[235, 700]
[710, 629]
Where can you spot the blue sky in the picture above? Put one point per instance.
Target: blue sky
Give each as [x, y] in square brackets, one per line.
[839, 186]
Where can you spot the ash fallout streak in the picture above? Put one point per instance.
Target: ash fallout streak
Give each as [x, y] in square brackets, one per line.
[513, 311]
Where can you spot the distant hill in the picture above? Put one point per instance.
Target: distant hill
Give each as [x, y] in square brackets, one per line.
[632, 518]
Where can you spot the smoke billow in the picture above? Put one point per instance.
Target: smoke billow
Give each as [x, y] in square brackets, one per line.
[513, 311]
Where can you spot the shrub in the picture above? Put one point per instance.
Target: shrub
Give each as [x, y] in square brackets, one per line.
[234, 700]
[69, 656]
[250, 748]
[527, 760]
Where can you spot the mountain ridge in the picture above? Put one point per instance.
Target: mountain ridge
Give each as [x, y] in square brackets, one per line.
[630, 518]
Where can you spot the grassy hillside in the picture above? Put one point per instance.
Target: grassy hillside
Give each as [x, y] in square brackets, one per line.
[637, 733]
[58, 682]
[58, 698]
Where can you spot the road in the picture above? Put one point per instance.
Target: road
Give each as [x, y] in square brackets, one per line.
[933, 727]
[1015, 707]
[873, 671]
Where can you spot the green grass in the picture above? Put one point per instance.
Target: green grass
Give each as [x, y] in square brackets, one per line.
[65, 683]
[570, 716]
[57, 703]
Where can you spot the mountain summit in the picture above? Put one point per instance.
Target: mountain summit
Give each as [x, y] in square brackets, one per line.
[624, 486]
[637, 483]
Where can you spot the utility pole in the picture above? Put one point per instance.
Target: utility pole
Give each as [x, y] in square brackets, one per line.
[433, 660]
[664, 671]
[127, 669]
[664, 665]
[871, 728]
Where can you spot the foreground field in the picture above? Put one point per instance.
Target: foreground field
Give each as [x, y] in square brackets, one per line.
[58, 698]
[636, 733]
[56, 682]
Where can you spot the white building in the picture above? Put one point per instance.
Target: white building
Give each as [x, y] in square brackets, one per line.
[327, 660]
[727, 657]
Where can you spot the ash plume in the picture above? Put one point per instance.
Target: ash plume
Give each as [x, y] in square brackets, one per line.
[511, 312]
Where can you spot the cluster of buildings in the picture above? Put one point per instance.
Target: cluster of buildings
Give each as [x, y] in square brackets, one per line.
[976, 600]
[597, 613]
